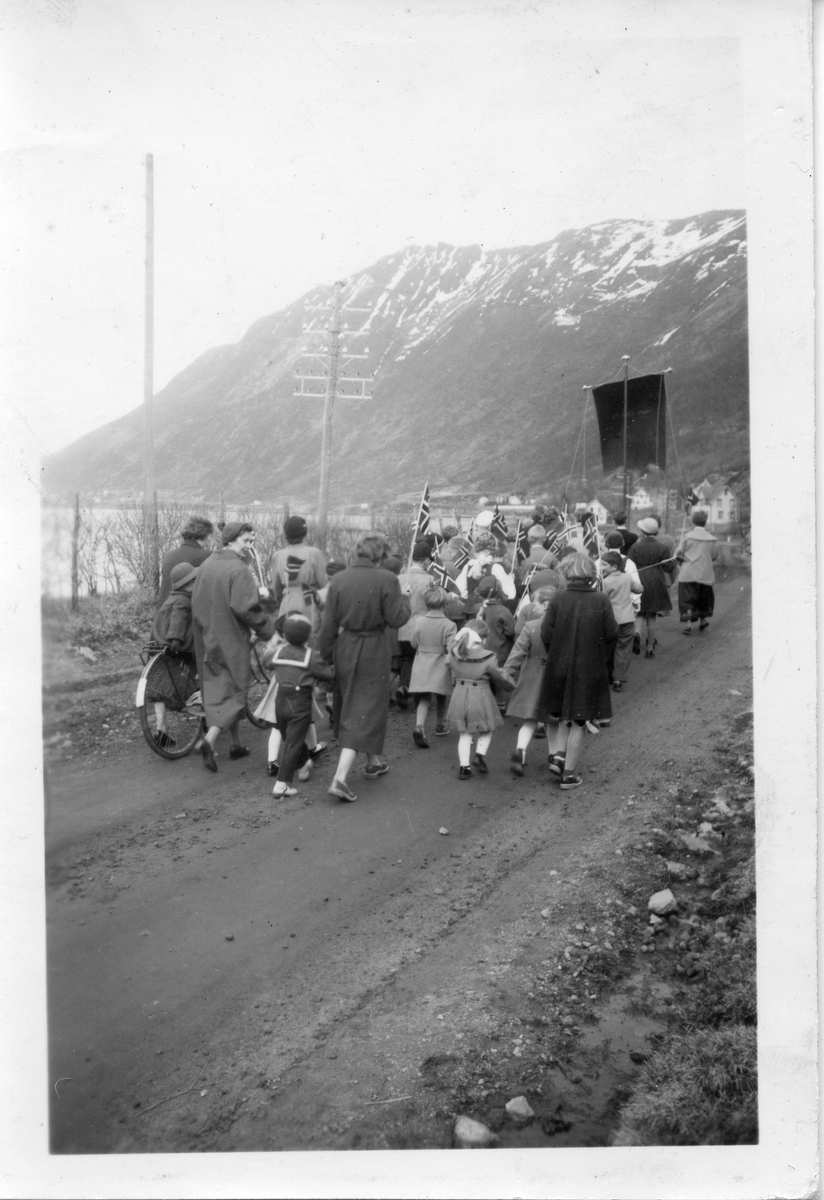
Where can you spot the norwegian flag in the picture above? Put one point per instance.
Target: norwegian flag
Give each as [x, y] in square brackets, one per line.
[497, 525]
[563, 536]
[521, 544]
[441, 576]
[460, 558]
[422, 523]
[692, 499]
[590, 529]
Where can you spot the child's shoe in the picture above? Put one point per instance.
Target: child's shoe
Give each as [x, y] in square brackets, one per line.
[570, 780]
[283, 789]
[321, 748]
[305, 771]
[464, 772]
[517, 762]
[480, 763]
[420, 738]
[441, 731]
[556, 763]
[272, 770]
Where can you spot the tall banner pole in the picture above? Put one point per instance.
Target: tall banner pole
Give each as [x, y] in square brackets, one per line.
[626, 422]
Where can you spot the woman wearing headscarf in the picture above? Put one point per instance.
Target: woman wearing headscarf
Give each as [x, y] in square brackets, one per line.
[362, 603]
[298, 573]
[578, 630]
[649, 556]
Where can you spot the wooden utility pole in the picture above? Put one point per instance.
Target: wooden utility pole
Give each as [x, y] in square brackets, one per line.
[150, 538]
[76, 554]
[328, 409]
[330, 358]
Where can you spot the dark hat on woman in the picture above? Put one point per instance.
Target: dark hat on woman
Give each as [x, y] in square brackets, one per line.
[294, 528]
[421, 551]
[232, 531]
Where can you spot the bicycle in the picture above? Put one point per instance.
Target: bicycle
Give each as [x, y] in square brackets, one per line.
[170, 705]
[169, 702]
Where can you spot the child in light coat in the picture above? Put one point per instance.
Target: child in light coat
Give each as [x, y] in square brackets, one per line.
[525, 668]
[432, 638]
[472, 708]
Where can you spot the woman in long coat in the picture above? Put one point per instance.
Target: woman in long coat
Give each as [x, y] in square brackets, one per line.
[362, 603]
[578, 630]
[648, 554]
[225, 609]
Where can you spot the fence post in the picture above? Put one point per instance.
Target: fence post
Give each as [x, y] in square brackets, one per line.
[76, 554]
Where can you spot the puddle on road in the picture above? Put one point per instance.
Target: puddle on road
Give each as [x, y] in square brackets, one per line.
[602, 1060]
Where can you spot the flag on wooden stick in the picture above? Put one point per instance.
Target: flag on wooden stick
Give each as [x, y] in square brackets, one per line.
[497, 526]
[441, 576]
[460, 558]
[521, 544]
[422, 523]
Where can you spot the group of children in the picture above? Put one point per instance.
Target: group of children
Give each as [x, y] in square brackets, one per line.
[486, 663]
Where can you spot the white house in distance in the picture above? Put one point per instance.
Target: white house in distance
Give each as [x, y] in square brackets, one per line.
[719, 502]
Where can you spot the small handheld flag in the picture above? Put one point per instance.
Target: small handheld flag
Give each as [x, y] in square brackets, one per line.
[497, 526]
[521, 544]
[422, 523]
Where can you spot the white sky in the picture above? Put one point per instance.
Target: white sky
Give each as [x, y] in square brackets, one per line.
[298, 142]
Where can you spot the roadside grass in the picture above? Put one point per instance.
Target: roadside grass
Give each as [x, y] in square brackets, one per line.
[700, 1090]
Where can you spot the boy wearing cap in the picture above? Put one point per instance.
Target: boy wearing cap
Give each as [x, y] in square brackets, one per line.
[172, 627]
[296, 667]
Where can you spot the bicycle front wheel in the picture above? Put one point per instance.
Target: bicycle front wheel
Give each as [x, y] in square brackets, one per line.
[172, 722]
[258, 685]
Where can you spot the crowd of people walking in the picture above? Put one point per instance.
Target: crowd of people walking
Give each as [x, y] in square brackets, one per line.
[540, 629]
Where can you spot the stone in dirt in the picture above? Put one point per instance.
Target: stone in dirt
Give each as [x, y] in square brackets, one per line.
[469, 1134]
[519, 1110]
[696, 845]
[677, 870]
[662, 903]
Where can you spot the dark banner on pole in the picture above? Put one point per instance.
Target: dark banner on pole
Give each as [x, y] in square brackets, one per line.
[646, 422]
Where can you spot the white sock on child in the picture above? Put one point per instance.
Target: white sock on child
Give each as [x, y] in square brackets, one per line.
[464, 748]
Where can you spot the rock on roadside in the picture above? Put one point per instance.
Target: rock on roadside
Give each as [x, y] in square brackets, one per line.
[519, 1110]
[662, 903]
[470, 1134]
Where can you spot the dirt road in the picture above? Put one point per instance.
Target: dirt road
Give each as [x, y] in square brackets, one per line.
[227, 971]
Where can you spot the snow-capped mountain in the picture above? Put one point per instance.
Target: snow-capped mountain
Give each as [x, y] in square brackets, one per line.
[479, 358]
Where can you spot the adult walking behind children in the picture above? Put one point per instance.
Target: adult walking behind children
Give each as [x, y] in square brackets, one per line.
[577, 631]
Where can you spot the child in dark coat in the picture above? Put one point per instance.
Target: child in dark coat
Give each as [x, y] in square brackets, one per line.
[295, 667]
[172, 625]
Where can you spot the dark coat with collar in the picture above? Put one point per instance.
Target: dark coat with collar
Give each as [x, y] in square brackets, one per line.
[187, 552]
[362, 604]
[578, 630]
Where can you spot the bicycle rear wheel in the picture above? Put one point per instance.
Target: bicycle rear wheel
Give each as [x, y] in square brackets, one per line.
[174, 730]
[258, 685]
